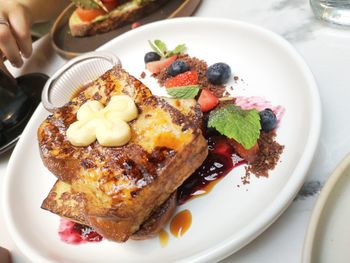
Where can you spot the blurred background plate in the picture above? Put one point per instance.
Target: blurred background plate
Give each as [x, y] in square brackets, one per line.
[328, 235]
[68, 46]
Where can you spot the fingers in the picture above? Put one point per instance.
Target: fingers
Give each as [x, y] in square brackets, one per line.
[8, 46]
[20, 22]
[15, 39]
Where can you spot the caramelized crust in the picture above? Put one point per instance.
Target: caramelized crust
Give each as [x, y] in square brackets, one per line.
[63, 202]
[120, 187]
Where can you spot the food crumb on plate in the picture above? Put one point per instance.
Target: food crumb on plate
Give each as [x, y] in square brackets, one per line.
[268, 155]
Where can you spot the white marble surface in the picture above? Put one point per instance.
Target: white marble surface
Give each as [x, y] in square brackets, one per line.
[327, 52]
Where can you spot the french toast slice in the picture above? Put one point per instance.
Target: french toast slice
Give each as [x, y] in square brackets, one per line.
[63, 202]
[120, 187]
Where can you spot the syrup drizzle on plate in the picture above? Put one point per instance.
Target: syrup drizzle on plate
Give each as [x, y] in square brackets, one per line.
[220, 161]
[180, 223]
[163, 238]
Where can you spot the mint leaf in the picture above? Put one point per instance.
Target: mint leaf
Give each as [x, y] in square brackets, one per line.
[235, 123]
[184, 92]
[178, 50]
[156, 49]
[160, 45]
[87, 4]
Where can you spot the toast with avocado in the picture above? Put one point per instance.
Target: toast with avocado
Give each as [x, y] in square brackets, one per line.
[93, 17]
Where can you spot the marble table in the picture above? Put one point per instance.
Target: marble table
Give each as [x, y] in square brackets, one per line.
[327, 52]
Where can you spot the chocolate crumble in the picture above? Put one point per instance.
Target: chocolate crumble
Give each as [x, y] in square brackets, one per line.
[267, 157]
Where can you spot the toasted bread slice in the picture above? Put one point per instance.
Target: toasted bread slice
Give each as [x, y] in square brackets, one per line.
[63, 202]
[126, 13]
[122, 186]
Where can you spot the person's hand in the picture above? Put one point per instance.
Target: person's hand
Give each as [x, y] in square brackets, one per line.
[15, 39]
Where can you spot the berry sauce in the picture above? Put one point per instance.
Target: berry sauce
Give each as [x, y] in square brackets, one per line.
[74, 233]
[220, 161]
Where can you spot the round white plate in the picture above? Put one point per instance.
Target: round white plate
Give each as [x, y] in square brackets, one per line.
[229, 217]
[328, 235]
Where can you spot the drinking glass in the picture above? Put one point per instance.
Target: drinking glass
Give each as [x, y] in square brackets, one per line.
[332, 11]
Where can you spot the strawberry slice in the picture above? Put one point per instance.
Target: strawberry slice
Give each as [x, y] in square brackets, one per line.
[222, 147]
[207, 100]
[184, 79]
[156, 66]
[248, 155]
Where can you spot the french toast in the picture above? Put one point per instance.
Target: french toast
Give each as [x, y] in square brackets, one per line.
[116, 189]
[63, 202]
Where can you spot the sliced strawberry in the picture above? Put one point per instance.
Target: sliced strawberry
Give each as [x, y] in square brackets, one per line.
[248, 155]
[184, 79]
[207, 100]
[156, 66]
[222, 147]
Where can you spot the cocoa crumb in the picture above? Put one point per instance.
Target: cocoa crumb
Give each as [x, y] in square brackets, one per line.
[235, 78]
[267, 158]
[246, 178]
[143, 75]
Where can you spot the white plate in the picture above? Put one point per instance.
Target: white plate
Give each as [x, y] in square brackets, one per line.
[328, 235]
[229, 217]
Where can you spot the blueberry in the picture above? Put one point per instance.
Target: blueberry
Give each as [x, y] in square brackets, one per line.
[151, 56]
[177, 67]
[268, 120]
[218, 73]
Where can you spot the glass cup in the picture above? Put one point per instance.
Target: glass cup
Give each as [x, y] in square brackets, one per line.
[332, 11]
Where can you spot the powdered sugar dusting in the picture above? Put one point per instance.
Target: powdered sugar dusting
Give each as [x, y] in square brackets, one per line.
[259, 104]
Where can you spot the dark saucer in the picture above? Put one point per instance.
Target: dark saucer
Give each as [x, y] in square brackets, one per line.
[16, 109]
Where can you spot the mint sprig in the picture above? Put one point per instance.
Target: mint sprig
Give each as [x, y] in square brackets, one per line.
[177, 50]
[184, 92]
[236, 123]
[161, 49]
